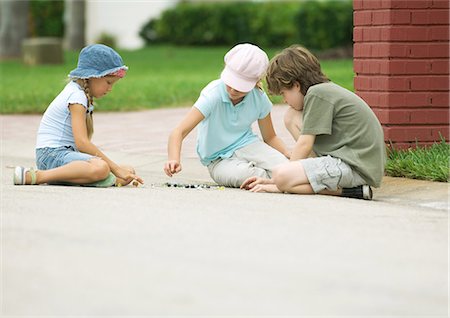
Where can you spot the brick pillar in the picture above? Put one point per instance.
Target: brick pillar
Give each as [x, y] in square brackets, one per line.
[401, 61]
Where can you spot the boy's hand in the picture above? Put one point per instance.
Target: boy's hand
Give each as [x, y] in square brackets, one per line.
[171, 167]
[251, 182]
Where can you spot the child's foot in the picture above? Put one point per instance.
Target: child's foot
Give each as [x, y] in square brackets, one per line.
[24, 176]
[359, 192]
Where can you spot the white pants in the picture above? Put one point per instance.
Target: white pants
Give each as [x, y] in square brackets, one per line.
[255, 159]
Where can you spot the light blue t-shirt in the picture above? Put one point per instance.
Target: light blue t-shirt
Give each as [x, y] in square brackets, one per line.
[55, 129]
[225, 127]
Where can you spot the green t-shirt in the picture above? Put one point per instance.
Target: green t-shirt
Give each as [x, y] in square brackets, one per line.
[345, 127]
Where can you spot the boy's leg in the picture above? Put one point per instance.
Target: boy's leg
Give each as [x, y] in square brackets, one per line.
[293, 120]
[313, 175]
[291, 177]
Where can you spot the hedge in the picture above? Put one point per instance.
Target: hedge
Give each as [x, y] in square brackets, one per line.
[46, 18]
[315, 24]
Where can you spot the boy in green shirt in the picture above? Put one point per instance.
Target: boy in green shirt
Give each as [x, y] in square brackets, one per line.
[328, 120]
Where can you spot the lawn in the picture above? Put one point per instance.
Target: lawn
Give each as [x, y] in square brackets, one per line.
[159, 76]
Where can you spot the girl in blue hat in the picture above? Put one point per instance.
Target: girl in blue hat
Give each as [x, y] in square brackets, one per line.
[65, 153]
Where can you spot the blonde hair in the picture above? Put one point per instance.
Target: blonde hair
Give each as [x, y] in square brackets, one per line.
[84, 83]
[294, 64]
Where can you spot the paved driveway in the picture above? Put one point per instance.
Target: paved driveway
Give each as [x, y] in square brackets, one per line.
[154, 250]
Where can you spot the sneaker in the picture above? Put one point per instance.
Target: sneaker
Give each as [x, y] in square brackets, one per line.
[360, 192]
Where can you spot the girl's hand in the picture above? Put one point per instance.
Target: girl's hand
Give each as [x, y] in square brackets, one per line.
[171, 167]
[251, 182]
[126, 176]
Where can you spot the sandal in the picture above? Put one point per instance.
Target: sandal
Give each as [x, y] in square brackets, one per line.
[20, 175]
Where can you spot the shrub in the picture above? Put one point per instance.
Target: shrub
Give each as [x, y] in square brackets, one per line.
[319, 25]
[46, 18]
[324, 25]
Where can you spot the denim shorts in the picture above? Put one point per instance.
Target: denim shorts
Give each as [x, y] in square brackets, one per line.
[49, 158]
[330, 173]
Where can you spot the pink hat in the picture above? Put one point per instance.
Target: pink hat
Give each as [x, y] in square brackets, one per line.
[245, 64]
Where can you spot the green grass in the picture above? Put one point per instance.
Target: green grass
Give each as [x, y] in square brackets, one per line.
[420, 163]
[159, 76]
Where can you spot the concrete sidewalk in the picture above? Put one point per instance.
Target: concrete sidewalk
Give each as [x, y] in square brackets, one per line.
[154, 250]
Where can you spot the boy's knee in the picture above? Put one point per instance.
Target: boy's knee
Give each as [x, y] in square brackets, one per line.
[281, 178]
[292, 119]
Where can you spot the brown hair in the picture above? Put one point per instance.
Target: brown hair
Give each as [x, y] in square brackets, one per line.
[89, 120]
[294, 64]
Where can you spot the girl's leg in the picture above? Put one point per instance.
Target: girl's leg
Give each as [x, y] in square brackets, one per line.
[261, 155]
[79, 172]
[232, 172]
[293, 120]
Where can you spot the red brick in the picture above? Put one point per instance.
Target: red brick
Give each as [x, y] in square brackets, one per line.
[440, 4]
[395, 116]
[398, 50]
[357, 35]
[407, 4]
[429, 83]
[362, 83]
[405, 33]
[439, 99]
[428, 50]
[390, 83]
[371, 4]
[362, 50]
[439, 33]
[429, 17]
[371, 98]
[409, 145]
[440, 67]
[409, 133]
[409, 67]
[357, 4]
[380, 49]
[439, 132]
[372, 34]
[438, 50]
[362, 18]
[417, 99]
[429, 116]
[388, 17]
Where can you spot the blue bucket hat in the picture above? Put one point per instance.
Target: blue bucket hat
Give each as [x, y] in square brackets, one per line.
[98, 60]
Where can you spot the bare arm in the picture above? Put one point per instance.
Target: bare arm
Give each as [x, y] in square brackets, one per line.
[269, 136]
[79, 130]
[303, 147]
[189, 122]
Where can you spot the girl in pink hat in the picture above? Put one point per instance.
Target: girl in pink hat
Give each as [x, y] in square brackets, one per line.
[224, 113]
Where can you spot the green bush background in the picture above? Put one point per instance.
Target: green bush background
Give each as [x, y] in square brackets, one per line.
[315, 24]
[46, 18]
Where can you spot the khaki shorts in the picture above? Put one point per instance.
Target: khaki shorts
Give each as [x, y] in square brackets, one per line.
[255, 159]
[330, 173]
